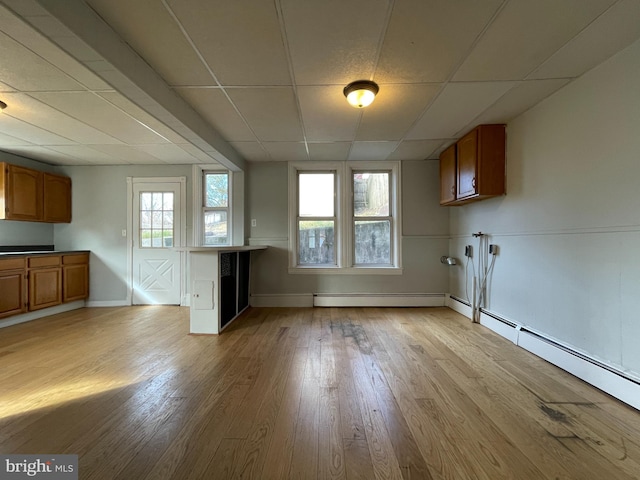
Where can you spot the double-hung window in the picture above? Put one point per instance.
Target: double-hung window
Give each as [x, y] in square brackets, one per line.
[344, 217]
[215, 208]
[316, 218]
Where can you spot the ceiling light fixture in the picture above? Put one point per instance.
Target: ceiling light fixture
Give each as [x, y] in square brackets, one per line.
[2, 105]
[360, 94]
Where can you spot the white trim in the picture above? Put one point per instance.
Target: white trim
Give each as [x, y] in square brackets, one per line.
[45, 312]
[457, 306]
[129, 278]
[379, 300]
[109, 303]
[277, 300]
[345, 271]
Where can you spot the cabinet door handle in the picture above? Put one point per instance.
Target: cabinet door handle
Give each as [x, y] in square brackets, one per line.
[453, 190]
[473, 182]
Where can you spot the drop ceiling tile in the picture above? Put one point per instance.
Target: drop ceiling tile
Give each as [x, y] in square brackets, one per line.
[611, 32]
[6, 88]
[415, 149]
[214, 106]
[167, 153]
[518, 100]
[330, 151]
[286, 151]
[25, 131]
[96, 111]
[30, 110]
[271, 113]
[9, 140]
[524, 35]
[42, 154]
[85, 155]
[425, 41]
[455, 107]
[24, 70]
[152, 32]
[242, 44]
[251, 151]
[395, 109]
[333, 41]
[326, 114]
[371, 150]
[127, 154]
[130, 108]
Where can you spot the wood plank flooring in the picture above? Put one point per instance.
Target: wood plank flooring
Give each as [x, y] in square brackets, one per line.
[347, 393]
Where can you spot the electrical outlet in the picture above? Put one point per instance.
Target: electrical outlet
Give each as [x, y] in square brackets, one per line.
[493, 249]
[468, 251]
[254, 222]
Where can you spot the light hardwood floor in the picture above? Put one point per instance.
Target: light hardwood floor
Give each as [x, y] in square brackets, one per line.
[363, 393]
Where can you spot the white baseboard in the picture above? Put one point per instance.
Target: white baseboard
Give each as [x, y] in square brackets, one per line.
[276, 300]
[606, 378]
[45, 312]
[458, 306]
[109, 303]
[379, 300]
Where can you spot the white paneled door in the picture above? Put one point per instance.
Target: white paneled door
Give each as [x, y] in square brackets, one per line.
[156, 229]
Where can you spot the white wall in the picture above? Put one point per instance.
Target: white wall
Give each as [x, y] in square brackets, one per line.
[569, 227]
[98, 217]
[425, 237]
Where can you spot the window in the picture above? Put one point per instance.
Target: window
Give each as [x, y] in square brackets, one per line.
[372, 221]
[215, 210]
[156, 219]
[316, 218]
[344, 217]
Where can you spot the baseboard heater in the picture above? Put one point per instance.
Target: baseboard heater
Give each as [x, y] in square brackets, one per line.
[609, 379]
[379, 300]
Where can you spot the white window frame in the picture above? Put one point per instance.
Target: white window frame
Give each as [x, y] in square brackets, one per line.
[235, 213]
[204, 209]
[344, 235]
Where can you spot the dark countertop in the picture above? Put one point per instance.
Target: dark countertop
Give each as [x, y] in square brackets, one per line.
[40, 253]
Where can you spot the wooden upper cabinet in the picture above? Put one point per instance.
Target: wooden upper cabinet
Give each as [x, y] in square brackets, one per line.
[57, 198]
[448, 175]
[479, 169]
[30, 195]
[22, 190]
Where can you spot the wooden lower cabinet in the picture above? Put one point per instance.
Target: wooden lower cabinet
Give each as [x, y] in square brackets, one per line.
[34, 282]
[45, 288]
[13, 298]
[75, 277]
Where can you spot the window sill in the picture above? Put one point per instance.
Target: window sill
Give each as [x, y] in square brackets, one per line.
[346, 271]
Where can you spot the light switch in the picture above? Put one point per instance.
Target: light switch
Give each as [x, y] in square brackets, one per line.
[124, 233]
[254, 222]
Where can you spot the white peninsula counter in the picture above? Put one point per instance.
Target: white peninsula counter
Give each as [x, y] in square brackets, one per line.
[219, 279]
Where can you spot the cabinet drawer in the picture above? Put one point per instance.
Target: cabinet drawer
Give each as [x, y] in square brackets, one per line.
[75, 259]
[48, 261]
[12, 263]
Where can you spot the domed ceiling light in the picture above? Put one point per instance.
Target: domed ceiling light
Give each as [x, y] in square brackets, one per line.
[360, 94]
